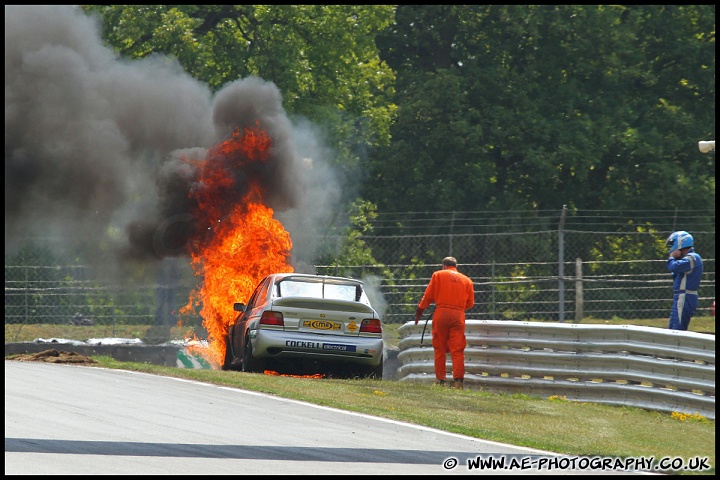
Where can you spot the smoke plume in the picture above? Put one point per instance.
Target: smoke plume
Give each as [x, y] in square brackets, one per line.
[101, 152]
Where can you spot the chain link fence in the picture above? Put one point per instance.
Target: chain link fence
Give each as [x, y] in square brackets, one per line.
[545, 265]
[522, 270]
[539, 288]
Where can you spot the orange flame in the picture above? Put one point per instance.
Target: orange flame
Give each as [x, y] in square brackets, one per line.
[276, 374]
[244, 243]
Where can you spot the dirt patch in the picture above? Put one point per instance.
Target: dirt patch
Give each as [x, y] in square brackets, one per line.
[53, 356]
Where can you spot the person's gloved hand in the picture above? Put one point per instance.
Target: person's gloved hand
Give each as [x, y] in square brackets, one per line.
[418, 314]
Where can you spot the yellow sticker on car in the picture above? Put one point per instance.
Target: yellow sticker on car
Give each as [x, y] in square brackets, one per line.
[352, 326]
[321, 325]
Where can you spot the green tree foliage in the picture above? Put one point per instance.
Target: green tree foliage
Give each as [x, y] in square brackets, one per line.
[501, 107]
[536, 106]
[354, 250]
[323, 58]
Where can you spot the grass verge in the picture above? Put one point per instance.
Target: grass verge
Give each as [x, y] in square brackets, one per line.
[551, 424]
[16, 333]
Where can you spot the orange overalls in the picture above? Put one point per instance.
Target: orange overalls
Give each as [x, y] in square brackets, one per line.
[453, 293]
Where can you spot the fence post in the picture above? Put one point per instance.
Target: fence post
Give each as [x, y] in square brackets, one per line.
[112, 307]
[450, 243]
[25, 297]
[578, 291]
[561, 266]
[492, 286]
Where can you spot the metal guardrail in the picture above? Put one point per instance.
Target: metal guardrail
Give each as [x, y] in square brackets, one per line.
[646, 367]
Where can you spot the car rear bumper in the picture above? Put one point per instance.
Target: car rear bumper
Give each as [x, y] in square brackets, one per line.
[280, 344]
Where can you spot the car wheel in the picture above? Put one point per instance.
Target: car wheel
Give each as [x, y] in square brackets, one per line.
[227, 364]
[373, 372]
[250, 363]
[377, 372]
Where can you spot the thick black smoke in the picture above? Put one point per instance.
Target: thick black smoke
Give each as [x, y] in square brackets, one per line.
[249, 104]
[96, 147]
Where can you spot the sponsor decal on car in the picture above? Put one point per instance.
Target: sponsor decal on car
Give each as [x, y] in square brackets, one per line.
[352, 326]
[338, 347]
[299, 344]
[321, 325]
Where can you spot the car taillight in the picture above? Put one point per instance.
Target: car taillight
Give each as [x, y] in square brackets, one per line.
[272, 318]
[371, 325]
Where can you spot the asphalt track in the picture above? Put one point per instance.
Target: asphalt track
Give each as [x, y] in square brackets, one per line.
[78, 420]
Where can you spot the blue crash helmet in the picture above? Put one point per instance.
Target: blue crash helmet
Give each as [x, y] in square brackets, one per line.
[678, 240]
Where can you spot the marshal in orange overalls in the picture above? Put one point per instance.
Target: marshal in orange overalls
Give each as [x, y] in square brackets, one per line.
[453, 293]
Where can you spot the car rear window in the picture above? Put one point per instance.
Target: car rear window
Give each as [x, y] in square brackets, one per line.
[295, 288]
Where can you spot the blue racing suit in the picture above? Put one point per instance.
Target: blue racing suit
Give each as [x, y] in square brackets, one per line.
[686, 274]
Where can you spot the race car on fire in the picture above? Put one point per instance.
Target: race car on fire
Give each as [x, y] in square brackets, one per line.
[307, 324]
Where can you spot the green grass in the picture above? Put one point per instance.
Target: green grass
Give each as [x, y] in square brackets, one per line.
[15, 333]
[551, 424]
[18, 333]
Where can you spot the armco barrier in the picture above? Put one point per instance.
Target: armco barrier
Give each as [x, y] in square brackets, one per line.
[646, 367]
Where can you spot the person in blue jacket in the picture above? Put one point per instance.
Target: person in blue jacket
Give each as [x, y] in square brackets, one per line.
[686, 267]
